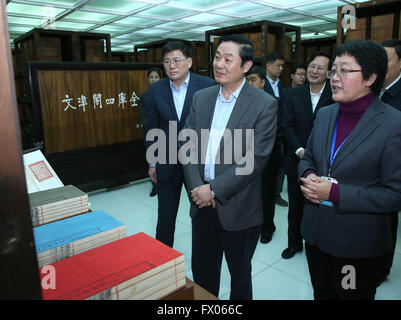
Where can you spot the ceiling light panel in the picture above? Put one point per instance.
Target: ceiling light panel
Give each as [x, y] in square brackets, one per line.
[147, 21]
[199, 4]
[109, 28]
[178, 25]
[90, 16]
[205, 18]
[165, 12]
[274, 16]
[25, 21]
[71, 26]
[56, 3]
[322, 6]
[243, 8]
[134, 21]
[114, 6]
[40, 11]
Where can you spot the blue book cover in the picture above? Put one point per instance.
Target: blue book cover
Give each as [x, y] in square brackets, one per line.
[62, 232]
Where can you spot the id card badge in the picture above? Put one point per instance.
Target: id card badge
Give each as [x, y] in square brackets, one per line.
[326, 202]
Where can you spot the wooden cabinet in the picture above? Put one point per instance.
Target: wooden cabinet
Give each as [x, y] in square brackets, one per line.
[86, 118]
[308, 47]
[51, 46]
[266, 37]
[376, 20]
[152, 52]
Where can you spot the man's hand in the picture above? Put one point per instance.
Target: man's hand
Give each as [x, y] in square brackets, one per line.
[152, 174]
[202, 196]
[301, 153]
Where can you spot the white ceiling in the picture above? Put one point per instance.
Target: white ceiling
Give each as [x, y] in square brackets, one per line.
[132, 23]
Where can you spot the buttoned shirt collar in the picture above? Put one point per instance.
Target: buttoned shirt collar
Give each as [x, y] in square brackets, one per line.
[186, 82]
[233, 96]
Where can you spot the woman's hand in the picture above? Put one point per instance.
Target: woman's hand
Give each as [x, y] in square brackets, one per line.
[315, 189]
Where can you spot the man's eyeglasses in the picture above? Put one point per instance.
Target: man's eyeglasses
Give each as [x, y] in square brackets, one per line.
[341, 73]
[300, 74]
[174, 62]
[314, 66]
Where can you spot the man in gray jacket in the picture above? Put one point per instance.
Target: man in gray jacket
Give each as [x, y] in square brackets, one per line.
[225, 183]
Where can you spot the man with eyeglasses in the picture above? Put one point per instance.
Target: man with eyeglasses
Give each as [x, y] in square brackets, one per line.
[298, 75]
[273, 175]
[300, 108]
[391, 94]
[169, 100]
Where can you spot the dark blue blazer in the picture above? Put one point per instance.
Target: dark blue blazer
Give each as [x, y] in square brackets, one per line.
[158, 109]
[268, 89]
[393, 96]
[298, 122]
[368, 171]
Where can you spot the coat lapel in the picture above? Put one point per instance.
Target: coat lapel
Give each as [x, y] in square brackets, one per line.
[240, 107]
[207, 118]
[169, 98]
[188, 98]
[365, 127]
[325, 99]
[329, 137]
[268, 88]
[308, 104]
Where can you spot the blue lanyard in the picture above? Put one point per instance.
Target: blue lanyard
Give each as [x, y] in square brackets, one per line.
[333, 143]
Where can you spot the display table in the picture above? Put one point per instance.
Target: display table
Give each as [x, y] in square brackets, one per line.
[192, 291]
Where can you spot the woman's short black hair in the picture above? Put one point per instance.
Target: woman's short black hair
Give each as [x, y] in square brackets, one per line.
[157, 70]
[372, 58]
[177, 45]
[246, 51]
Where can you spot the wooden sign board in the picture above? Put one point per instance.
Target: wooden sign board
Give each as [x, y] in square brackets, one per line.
[87, 120]
[90, 108]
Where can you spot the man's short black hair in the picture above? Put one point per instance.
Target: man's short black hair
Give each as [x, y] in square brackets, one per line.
[394, 43]
[272, 57]
[177, 45]
[296, 66]
[261, 72]
[246, 51]
[320, 54]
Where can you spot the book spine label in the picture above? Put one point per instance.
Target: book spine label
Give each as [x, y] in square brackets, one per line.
[62, 252]
[36, 216]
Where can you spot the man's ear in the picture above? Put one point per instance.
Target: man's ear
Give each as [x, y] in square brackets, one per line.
[247, 66]
[190, 62]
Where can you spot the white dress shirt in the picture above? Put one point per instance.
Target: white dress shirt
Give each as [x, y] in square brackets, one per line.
[274, 85]
[389, 86]
[315, 97]
[179, 95]
[222, 113]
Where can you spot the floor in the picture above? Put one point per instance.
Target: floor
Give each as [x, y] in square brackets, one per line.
[273, 277]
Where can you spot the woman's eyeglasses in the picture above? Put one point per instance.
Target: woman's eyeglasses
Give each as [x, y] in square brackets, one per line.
[341, 73]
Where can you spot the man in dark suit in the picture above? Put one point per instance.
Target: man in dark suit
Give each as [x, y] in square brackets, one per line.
[167, 108]
[391, 94]
[272, 175]
[300, 107]
[226, 208]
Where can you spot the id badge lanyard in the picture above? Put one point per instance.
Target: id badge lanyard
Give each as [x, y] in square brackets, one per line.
[333, 153]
